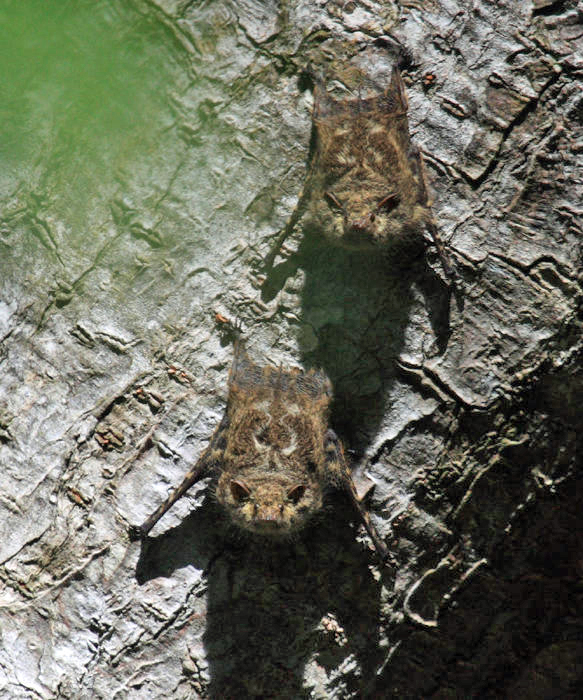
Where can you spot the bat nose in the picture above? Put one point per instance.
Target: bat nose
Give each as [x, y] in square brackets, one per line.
[362, 224]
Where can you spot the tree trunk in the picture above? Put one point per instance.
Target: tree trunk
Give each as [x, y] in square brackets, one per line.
[137, 205]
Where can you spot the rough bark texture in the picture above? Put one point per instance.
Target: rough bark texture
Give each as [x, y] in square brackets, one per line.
[465, 412]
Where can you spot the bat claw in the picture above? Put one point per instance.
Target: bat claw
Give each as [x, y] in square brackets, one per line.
[136, 533]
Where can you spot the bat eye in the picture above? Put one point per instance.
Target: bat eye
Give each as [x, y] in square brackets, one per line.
[240, 490]
[333, 201]
[389, 202]
[311, 466]
[296, 492]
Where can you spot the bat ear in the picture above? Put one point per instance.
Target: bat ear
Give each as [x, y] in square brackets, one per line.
[296, 492]
[240, 490]
[325, 106]
[321, 100]
[244, 372]
[395, 93]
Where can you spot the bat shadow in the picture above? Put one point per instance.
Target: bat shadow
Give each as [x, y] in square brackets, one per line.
[281, 615]
[357, 311]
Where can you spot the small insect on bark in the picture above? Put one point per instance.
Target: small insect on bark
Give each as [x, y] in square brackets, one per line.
[273, 457]
[366, 185]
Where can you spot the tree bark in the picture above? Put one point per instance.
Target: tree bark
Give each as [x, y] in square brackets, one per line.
[463, 409]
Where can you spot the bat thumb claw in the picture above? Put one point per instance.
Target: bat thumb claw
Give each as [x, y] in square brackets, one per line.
[135, 533]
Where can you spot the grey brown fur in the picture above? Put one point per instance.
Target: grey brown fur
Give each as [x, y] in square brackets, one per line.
[273, 457]
[366, 185]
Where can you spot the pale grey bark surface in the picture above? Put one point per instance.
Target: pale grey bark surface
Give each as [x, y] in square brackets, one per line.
[465, 411]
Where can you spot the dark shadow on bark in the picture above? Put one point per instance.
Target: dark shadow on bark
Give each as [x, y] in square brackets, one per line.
[259, 590]
[355, 310]
[194, 542]
[515, 629]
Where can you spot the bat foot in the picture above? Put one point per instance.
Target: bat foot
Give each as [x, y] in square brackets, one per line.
[363, 483]
[136, 533]
[383, 552]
